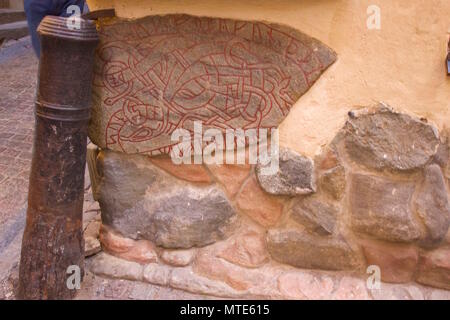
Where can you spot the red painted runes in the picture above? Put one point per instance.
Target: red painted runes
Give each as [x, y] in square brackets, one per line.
[161, 73]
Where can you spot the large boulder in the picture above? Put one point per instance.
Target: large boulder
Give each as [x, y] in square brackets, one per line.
[141, 201]
[380, 138]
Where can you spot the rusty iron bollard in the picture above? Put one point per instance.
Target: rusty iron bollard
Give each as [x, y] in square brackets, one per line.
[53, 242]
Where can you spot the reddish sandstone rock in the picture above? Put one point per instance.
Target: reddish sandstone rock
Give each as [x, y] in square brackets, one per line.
[206, 264]
[331, 173]
[247, 250]
[177, 258]
[259, 205]
[302, 285]
[350, 288]
[397, 262]
[230, 176]
[434, 269]
[328, 159]
[140, 251]
[188, 172]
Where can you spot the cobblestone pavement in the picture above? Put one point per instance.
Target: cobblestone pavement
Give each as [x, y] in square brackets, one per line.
[18, 76]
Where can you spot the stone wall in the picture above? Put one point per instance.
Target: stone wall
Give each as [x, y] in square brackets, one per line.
[376, 195]
[357, 187]
[401, 64]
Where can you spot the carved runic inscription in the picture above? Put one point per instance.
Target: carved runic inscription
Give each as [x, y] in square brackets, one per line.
[161, 73]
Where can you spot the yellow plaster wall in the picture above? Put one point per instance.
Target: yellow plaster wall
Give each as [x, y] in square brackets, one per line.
[402, 64]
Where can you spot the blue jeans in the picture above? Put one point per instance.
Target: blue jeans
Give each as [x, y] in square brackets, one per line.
[36, 10]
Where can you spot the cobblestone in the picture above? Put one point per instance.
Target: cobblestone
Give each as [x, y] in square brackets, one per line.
[17, 90]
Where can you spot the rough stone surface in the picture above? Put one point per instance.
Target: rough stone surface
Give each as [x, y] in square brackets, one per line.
[247, 250]
[380, 138]
[156, 274]
[231, 177]
[316, 214]
[332, 174]
[188, 217]
[143, 202]
[432, 205]
[303, 250]
[225, 73]
[206, 264]
[397, 263]
[140, 251]
[91, 243]
[295, 175]
[110, 266]
[381, 208]
[296, 285]
[350, 288]
[333, 182]
[396, 292]
[258, 205]
[177, 258]
[188, 172]
[434, 269]
[124, 182]
[442, 156]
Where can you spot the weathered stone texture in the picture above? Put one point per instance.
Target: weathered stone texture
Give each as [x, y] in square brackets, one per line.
[296, 285]
[381, 208]
[432, 205]
[442, 156]
[380, 138]
[231, 177]
[295, 175]
[332, 174]
[188, 217]
[303, 250]
[188, 172]
[333, 182]
[140, 251]
[143, 202]
[247, 250]
[206, 264]
[434, 269]
[316, 214]
[180, 68]
[397, 263]
[178, 258]
[263, 208]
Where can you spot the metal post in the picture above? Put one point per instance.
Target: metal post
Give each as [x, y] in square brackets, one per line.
[52, 242]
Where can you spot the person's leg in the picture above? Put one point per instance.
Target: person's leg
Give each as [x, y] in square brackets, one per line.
[62, 6]
[35, 11]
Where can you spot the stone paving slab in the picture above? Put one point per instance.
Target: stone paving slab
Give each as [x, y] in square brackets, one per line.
[17, 89]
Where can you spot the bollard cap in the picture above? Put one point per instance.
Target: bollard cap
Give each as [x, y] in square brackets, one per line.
[73, 28]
